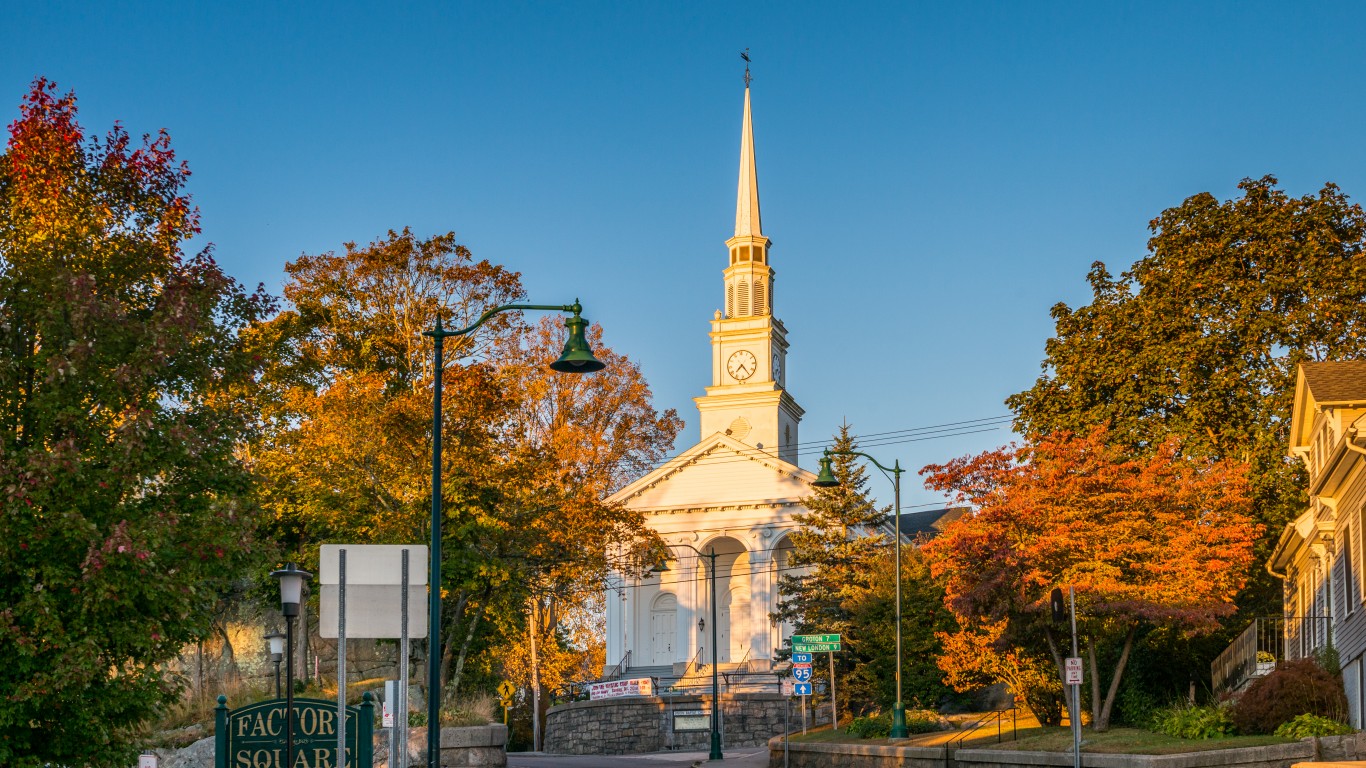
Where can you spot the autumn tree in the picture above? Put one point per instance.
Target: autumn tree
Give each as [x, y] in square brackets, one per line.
[978, 654]
[1156, 539]
[122, 376]
[349, 442]
[1199, 339]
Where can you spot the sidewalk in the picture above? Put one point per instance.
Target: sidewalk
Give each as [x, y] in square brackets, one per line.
[738, 757]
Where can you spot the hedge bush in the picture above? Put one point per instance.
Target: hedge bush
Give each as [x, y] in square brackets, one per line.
[1312, 725]
[874, 726]
[1187, 722]
[1294, 688]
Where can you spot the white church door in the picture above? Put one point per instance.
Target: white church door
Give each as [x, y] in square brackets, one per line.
[738, 643]
[663, 629]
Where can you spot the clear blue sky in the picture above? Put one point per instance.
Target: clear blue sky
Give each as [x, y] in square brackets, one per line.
[934, 175]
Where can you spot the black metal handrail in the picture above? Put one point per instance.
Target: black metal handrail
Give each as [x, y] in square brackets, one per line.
[997, 715]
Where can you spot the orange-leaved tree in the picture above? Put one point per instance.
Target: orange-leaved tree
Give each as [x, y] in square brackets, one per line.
[529, 453]
[1159, 537]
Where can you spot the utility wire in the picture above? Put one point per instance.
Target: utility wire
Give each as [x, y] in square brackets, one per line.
[899, 437]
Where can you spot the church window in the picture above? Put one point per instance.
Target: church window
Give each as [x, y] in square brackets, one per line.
[744, 253]
[759, 307]
[759, 253]
[743, 309]
[730, 301]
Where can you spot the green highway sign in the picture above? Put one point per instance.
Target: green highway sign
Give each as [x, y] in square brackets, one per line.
[815, 647]
[816, 639]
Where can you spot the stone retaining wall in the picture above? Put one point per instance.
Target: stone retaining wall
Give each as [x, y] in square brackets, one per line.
[815, 755]
[635, 724]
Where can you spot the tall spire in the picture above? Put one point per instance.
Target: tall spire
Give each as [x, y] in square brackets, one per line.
[747, 196]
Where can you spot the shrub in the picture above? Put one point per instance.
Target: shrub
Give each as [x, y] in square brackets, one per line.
[1187, 722]
[1312, 725]
[1293, 688]
[1136, 706]
[874, 726]
[921, 726]
[474, 709]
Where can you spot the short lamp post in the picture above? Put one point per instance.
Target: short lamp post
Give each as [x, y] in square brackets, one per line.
[291, 593]
[576, 357]
[715, 753]
[277, 653]
[827, 479]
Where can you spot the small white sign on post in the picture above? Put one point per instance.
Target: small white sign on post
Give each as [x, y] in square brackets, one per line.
[1073, 670]
[789, 687]
[387, 705]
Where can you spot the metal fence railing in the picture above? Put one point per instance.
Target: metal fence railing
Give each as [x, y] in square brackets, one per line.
[1267, 640]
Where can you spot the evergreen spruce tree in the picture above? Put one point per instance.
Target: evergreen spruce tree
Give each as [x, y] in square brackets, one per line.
[835, 555]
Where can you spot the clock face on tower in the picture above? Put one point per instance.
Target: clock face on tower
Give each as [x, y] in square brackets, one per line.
[777, 368]
[742, 365]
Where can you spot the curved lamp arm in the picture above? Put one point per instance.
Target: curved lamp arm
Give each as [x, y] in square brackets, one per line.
[895, 469]
[441, 333]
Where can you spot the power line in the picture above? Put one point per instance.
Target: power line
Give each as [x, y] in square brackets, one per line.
[882, 439]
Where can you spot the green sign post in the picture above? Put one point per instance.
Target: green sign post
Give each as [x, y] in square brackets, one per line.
[815, 643]
[254, 736]
[822, 644]
[815, 638]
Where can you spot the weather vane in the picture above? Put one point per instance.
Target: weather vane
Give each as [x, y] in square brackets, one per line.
[745, 55]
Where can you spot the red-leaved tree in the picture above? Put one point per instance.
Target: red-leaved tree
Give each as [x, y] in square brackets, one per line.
[1159, 537]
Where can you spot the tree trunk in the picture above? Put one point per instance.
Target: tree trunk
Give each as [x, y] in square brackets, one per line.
[1095, 683]
[1057, 655]
[465, 650]
[1104, 722]
[447, 638]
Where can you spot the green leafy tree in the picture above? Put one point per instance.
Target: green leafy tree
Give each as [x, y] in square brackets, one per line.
[1199, 339]
[122, 377]
[873, 626]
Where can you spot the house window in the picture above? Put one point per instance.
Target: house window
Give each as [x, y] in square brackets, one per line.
[1349, 583]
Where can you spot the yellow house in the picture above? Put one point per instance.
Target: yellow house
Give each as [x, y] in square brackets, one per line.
[1318, 555]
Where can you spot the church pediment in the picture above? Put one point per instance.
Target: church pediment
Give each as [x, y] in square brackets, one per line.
[718, 471]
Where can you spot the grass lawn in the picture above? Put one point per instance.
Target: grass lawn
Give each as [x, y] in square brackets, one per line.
[1131, 741]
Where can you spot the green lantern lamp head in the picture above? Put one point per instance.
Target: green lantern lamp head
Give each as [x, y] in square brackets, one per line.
[826, 478]
[578, 355]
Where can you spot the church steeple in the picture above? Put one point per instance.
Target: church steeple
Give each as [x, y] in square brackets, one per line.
[748, 398]
[747, 196]
[748, 278]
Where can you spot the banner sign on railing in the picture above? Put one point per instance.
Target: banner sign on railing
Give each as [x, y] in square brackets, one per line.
[636, 686]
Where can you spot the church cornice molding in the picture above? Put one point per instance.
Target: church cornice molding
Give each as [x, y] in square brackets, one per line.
[715, 508]
[692, 456]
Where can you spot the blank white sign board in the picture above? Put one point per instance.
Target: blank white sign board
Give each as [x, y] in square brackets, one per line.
[374, 593]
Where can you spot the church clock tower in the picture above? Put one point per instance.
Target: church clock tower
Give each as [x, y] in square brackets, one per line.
[747, 399]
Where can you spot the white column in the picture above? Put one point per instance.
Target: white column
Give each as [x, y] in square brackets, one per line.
[761, 595]
[616, 622]
[686, 591]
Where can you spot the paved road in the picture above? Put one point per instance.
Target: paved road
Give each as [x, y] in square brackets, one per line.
[741, 757]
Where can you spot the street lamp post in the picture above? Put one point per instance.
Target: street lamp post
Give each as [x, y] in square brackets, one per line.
[577, 357]
[715, 753]
[827, 479]
[277, 652]
[291, 590]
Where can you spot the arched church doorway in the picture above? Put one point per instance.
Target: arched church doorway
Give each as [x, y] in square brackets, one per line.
[663, 628]
[732, 601]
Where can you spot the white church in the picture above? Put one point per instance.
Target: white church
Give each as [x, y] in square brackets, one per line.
[733, 493]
